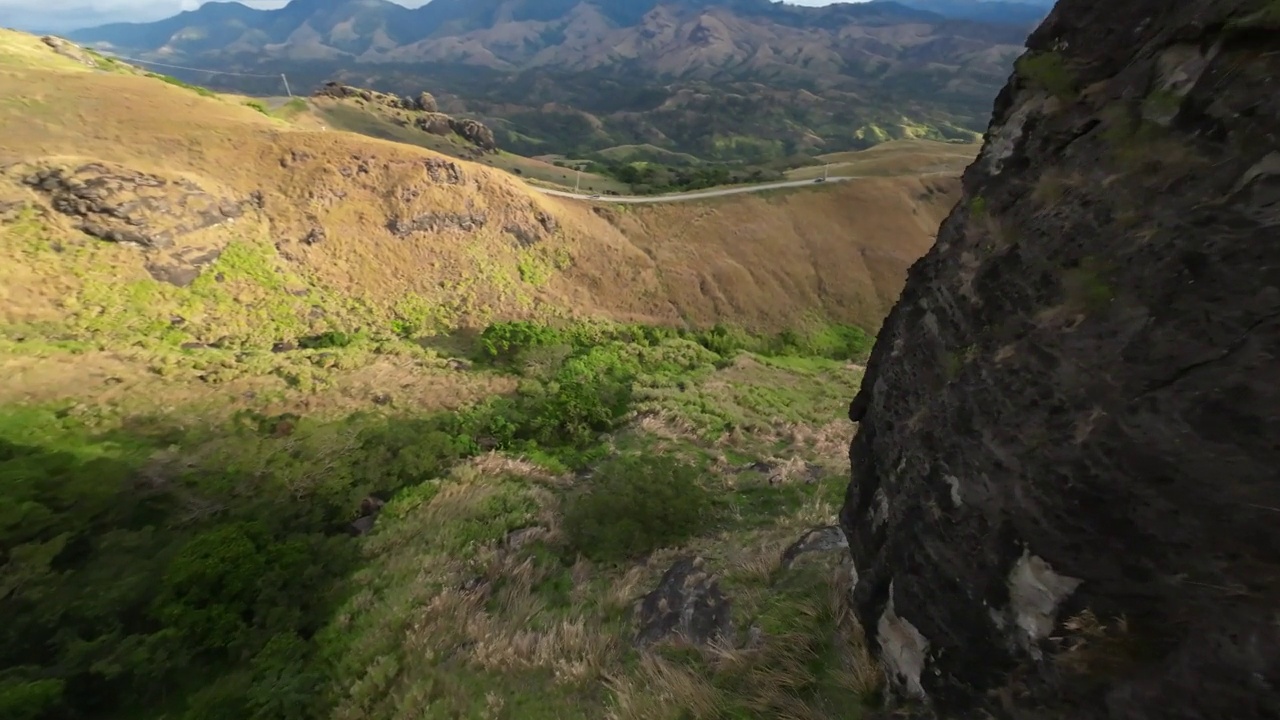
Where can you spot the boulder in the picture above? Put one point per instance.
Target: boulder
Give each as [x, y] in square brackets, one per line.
[688, 603]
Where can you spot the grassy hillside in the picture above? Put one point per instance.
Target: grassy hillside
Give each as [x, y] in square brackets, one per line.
[485, 247]
[341, 115]
[298, 423]
[894, 158]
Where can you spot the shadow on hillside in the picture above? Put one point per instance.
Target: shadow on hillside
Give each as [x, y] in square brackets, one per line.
[155, 564]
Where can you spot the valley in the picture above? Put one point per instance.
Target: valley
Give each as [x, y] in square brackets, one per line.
[366, 426]
[641, 360]
[747, 84]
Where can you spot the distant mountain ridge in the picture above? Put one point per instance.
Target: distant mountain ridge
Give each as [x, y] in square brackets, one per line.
[996, 11]
[631, 71]
[511, 31]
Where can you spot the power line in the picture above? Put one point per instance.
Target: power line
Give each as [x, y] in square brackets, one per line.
[180, 67]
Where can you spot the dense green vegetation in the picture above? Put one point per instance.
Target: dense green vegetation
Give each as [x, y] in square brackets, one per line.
[189, 529]
[173, 566]
[740, 121]
[644, 177]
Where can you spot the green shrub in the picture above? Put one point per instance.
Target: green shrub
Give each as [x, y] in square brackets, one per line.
[635, 505]
[328, 340]
[831, 342]
[257, 105]
[294, 107]
[726, 340]
[29, 700]
[1049, 72]
[502, 341]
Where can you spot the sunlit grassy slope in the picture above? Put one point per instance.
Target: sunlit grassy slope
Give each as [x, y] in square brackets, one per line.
[537, 390]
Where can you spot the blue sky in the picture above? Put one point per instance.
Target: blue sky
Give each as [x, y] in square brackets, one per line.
[64, 15]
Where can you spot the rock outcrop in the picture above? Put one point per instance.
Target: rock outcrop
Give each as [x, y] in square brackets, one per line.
[421, 112]
[688, 603]
[69, 50]
[166, 217]
[1065, 496]
[120, 204]
[474, 132]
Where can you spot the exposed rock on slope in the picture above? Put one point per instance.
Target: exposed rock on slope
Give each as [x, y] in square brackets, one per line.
[69, 50]
[420, 112]
[1065, 487]
[411, 235]
[122, 205]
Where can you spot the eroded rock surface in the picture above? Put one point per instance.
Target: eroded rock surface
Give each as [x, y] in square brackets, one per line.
[120, 204]
[1066, 478]
[816, 541]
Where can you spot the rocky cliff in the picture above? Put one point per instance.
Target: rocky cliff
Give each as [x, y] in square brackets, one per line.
[1065, 498]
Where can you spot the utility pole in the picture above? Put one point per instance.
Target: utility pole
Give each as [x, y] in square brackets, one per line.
[824, 170]
[286, 85]
[577, 181]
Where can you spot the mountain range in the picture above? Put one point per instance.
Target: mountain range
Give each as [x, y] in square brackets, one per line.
[743, 79]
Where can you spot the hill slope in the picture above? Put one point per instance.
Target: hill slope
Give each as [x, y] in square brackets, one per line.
[397, 227]
[718, 79]
[263, 454]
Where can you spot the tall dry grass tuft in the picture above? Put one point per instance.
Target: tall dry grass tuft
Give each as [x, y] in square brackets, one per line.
[624, 591]
[667, 425]
[660, 689]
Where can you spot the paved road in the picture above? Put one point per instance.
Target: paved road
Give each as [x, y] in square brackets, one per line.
[695, 195]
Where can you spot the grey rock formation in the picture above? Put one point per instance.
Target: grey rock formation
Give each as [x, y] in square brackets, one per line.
[436, 123]
[474, 132]
[422, 113]
[816, 541]
[1065, 497]
[687, 603]
[123, 205]
[426, 102]
[70, 50]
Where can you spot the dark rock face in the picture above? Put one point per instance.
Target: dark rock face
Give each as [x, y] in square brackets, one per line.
[182, 266]
[687, 603]
[122, 205]
[1065, 498]
[341, 91]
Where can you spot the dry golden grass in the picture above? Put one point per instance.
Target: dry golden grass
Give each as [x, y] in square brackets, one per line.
[763, 262]
[895, 158]
[120, 378]
[768, 259]
[766, 678]
[379, 121]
